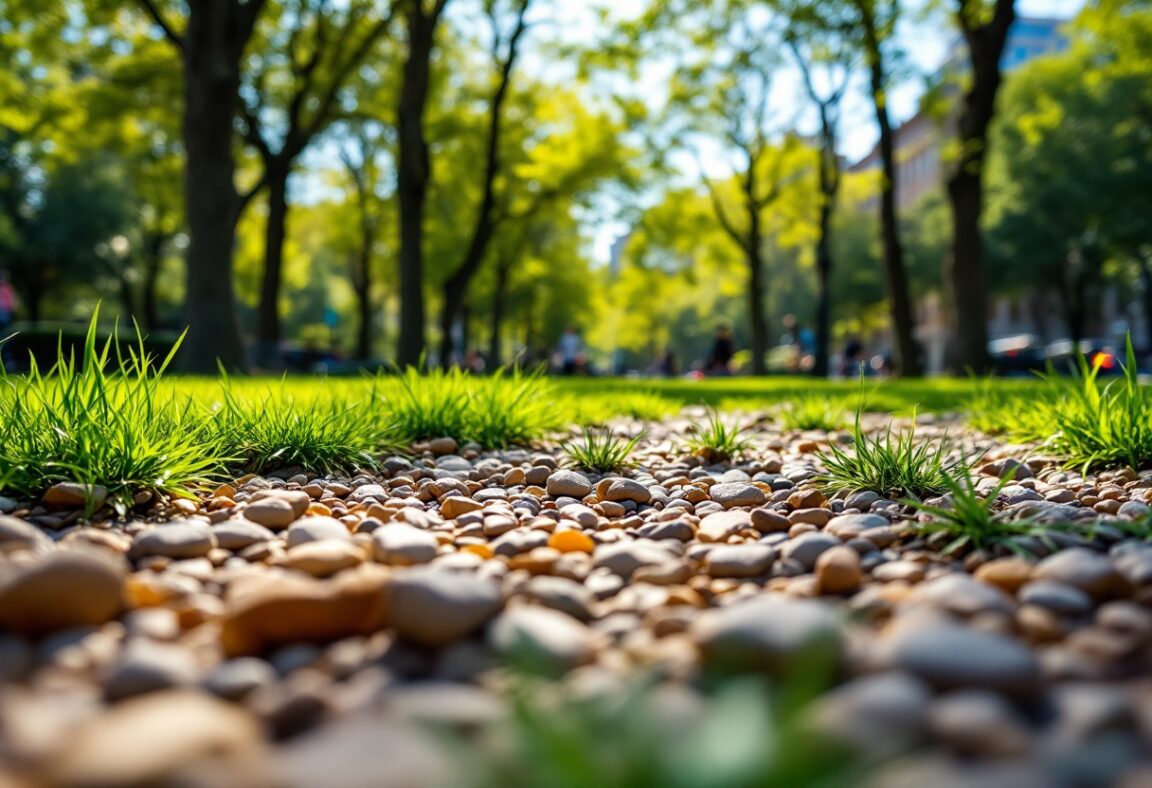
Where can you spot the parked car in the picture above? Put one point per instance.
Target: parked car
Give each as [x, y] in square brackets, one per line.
[1015, 356]
[1064, 356]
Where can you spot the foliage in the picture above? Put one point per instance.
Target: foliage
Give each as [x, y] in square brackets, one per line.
[741, 734]
[601, 450]
[812, 412]
[888, 465]
[717, 440]
[970, 518]
[1099, 426]
[104, 420]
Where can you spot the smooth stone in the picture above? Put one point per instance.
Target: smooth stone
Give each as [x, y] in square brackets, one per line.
[951, 656]
[720, 526]
[17, 534]
[541, 639]
[313, 529]
[848, 526]
[838, 570]
[234, 679]
[580, 514]
[767, 521]
[882, 713]
[273, 512]
[624, 558]
[146, 666]
[1060, 598]
[443, 445]
[1008, 573]
[740, 560]
[771, 634]
[962, 594]
[268, 610]
[297, 499]
[435, 608]
[398, 544]
[71, 495]
[978, 722]
[62, 590]
[862, 500]
[174, 540]
[323, 558]
[456, 505]
[236, 534]
[808, 547]
[678, 530]
[627, 490]
[1085, 569]
[732, 494]
[563, 594]
[570, 483]
[145, 740]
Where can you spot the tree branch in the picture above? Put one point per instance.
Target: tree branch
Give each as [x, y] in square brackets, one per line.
[157, 16]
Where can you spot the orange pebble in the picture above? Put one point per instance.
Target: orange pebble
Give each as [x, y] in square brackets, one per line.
[482, 550]
[571, 542]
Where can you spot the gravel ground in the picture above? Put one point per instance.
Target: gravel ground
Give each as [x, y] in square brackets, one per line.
[301, 630]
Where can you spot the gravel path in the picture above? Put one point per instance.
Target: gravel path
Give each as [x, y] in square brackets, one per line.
[298, 630]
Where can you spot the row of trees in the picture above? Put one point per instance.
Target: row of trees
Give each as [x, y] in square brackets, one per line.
[304, 158]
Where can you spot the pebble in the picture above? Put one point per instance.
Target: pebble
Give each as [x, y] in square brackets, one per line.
[733, 494]
[178, 539]
[61, 590]
[950, 656]
[398, 544]
[323, 558]
[624, 558]
[978, 722]
[1008, 573]
[236, 534]
[838, 570]
[568, 483]
[627, 490]
[721, 526]
[17, 534]
[1060, 598]
[808, 547]
[435, 608]
[541, 639]
[770, 634]
[1085, 569]
[313, 529]
[272, 512]
[70, 495]
[740, 560]
[146, 666]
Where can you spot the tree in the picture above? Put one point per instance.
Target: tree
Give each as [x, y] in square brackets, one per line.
[421, 18]
[504, 51]
[293, 96]
[817, 44]
[875, 29]
[211, 45]
[984, 25]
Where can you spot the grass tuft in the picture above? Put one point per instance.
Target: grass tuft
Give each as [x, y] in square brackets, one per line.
[888, 464]
[101, 420]
[970, 517]
[1102, 427]
[601, 451]
[717, 440]
[813, 412]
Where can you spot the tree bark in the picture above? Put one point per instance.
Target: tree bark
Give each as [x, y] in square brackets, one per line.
[153, 260]
[907, 350]
[412, 178]
[823, 290]
[758, 324]
[965, 268]
[1146, 287]
[499, 293]
[213, 44]
[268, 333]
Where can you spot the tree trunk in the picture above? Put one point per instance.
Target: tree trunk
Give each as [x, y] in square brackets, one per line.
[152, 263]
[127, 297]
[754, 255]
[823, 294]
[1146, 286]
[907, 352]
[268, 333]
[33, 303]
[412, 183]
[451, 312]
[213, 44]
[495, 341]
[966, 274]
[362, 287]
[965, 268]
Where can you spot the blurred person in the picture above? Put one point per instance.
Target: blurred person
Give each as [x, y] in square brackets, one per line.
[719, 361]
[570, 351]
[666, 365]
[852, 358]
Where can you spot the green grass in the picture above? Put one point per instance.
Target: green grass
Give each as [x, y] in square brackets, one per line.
[101, 420]
[888, 464]
[1102, 426]
[813, 412]
[741, 734]
[600, 450]
[717, 439]
[970, 518]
